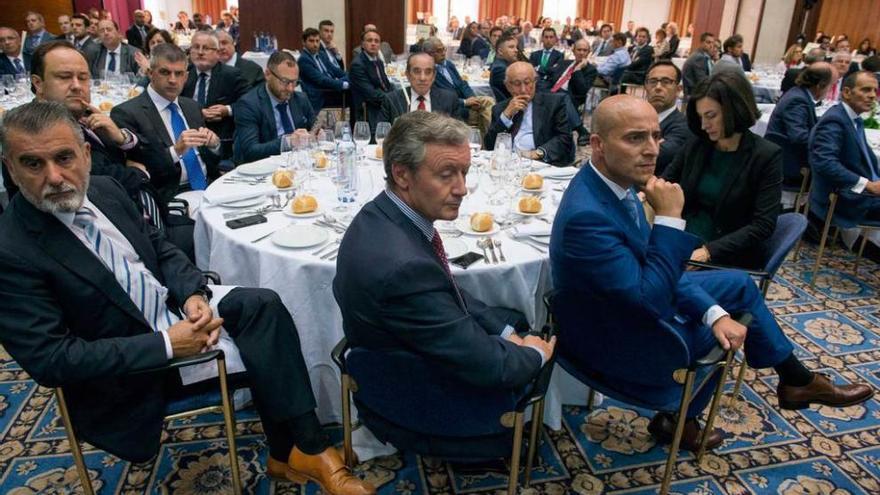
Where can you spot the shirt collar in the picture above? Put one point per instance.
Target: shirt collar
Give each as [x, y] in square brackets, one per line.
[849, 111]
[666, 113]
[423, 224]
[67, 217]
[232, 60]
[159, 100]
[615, 188]
[275, 101]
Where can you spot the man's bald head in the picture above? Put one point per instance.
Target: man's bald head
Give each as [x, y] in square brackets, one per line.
[625, 140]
[520, 78]
[615, 109]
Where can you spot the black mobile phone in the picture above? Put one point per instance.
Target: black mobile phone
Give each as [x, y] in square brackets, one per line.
[245, 221]
[466, 260]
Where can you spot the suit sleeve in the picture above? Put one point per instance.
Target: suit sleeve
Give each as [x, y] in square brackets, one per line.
[559, 148]
[360, 80]
[826, 146]
[247, 146]
[144, 152]
[796, 118]
[389, 110]
[311, 73]
[673, 142]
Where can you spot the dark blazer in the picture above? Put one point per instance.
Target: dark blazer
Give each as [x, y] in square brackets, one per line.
[88, 45]
[7, 67]
[97, 55]
[604, 52]
[323, 52]
[368, 87]
[480, 46]
[580, 83]
[251, 71]
[789, 78]
[226, 86]
[746, 62]
[789, 127]
[69, 323]
[315, 81]
[642, 58]
[395, 295]
[496, 79]
[695, 69]
[550, 127]
[140, 116]
[458, 85]
[745, 215]
[676, 133]
[45, 37]
[464, 47]
[256, 135]
[535, 59]
[134, 36]
[838, 163]
[442, 101]
[673, 48]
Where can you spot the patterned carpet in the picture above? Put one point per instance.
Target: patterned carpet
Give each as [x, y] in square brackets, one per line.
[820, 451]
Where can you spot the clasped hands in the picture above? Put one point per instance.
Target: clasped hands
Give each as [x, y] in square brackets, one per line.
[194, 138]
[198, 331]
[215, 113]
[534, 341]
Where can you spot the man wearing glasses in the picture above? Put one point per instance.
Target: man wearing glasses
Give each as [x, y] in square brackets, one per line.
[270, 111]
[662, 85]
[215, 87]
[537, 123]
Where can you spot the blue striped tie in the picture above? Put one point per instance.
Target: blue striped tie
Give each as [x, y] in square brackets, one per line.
[141, 286]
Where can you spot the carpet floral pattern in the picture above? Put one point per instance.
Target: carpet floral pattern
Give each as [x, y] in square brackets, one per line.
[820, 451]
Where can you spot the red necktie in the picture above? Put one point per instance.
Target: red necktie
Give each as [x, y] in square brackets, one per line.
[422, 107]
[440, 252]
[564, 79]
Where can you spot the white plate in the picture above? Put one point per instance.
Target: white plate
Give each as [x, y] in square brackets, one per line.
[558, 173]
[262, 167]
[244, 203]
[300, 236]
[464, 226]
[454, 247]
[290, 213]
[544, 239]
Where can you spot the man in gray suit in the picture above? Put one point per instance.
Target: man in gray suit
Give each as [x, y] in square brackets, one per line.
[602, 45]
[36, 33]
[699, 65]
[420, 95]
[112, 55]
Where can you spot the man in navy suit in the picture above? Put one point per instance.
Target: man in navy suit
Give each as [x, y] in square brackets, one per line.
[420, 95]
[369, 84]
[331, 54]
[36, 33]
[270, 111]
[320, 80]
[642, 55]
[505, 54]
[602, 245]
[12, 61]
[840, 157]
[546, 60]
[251, 71]
[662, 85]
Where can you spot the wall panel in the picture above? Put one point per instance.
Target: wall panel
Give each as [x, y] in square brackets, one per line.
[12, 13]
[389, 16]
[283, 18]
[857, 18]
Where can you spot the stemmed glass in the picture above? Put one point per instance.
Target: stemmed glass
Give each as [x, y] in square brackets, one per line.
[361, 136]
[503, 143]
[287, 148]
[382, 130]
[341, 128]
[475, 141]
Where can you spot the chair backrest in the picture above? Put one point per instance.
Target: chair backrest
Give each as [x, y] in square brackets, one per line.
[407, 390]
[789, 229]
[620, 343]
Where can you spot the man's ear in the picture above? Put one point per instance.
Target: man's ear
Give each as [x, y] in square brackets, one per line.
[401, 176]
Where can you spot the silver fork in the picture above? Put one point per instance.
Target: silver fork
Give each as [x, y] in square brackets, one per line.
[488, 242]
[498, 245]
[325, 246]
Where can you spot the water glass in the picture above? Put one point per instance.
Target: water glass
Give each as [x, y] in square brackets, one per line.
[382, 130]
[475, 141]
[361, 136]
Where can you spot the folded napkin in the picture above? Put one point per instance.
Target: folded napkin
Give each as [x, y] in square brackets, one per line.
[531, 229]
[227, 193]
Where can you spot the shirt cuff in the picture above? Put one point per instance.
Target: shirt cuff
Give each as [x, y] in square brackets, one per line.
[504, 120]
[169, 351]
[713, 314]
[860, 185]
[229, 109]
[507, 331]
[675, 223]
[540, 352]
[174, 156]
[344, 84]
[131, 140]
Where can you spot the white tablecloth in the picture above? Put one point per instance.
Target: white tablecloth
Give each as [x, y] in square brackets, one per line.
[261, 58]
[304, 281]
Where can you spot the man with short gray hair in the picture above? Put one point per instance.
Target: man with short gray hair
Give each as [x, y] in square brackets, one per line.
[421, 94]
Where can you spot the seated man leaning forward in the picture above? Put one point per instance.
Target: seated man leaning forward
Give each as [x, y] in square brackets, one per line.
[399, 293]
[90, 295]
[602, 244]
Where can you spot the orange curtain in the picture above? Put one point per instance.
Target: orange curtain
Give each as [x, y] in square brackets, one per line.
[681, 12]
[528, 10]
[419, 6]
[210, 7]
[610, 11]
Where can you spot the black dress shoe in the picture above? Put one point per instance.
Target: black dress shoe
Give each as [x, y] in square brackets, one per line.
[662, 428]
[822, 391]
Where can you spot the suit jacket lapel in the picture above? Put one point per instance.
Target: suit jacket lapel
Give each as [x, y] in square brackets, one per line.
[732, 176]
[152, 114]
[618, 212]
[266, 103]
[538, 117]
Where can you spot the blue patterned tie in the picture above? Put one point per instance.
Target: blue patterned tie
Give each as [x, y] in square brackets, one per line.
[111, 67]
[632, 206]
[202, 93]
[194, 172]
[863, 144]
[285, 119]
[19, 69]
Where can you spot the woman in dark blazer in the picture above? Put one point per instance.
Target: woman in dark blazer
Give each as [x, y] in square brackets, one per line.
[732, 178]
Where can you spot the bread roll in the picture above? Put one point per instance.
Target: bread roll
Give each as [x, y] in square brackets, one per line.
[282, 178]
[105, 106]
[304, 204]
[481, 222]
[379, 152]
[533, 181]
[530, 204]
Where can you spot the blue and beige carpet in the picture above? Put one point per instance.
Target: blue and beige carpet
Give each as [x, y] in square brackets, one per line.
[820, 451]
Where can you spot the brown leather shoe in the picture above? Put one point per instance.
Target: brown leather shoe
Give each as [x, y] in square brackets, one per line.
[326, 469]
[662, 428]
[822, 391]
[278, 469]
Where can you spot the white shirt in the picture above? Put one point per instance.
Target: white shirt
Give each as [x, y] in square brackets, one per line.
[162, 106]
[232, 60]
[666, 113]
[118, 56]
[414, 100]
[525, 137]
[712, 314]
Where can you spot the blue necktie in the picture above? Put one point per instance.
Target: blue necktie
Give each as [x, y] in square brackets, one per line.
[19, 69]
[285, 119]
[194, 172]
[202, 96]
[632, 206]
[863, 144]
[445, 72]
[111, 67]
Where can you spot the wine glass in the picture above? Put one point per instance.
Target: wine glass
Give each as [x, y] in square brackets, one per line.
[475, 141]
[382, 130]
[286, 149]
[341, 128]
[503, 144]
[361, 136]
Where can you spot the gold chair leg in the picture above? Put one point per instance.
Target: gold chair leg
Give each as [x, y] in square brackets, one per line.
[739, 380]
[75, 449]
[800, 242]
[591, 398]
[864, 235]
[534, 439]
[716, 399]
[679, 430]
[229, 420]
[348, 450]
[835, 236]
[824, 238]
[513, 479]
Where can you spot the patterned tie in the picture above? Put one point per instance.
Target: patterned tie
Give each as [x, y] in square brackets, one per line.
[440, 252]
[379, 74]
[632, 206]
[202, 90]
[19, 69]
[517, 123]
[111, 67]
[194, 172]
[421, 103]
[285, 119]
[863, 144]
[141, 286]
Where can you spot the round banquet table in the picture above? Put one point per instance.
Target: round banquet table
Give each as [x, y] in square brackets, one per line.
[304, 280]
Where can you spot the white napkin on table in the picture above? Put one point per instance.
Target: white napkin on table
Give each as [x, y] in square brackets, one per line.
[531, 229]
[226, 193]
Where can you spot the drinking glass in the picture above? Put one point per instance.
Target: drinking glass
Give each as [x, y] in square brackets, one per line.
[361, 136]
[475, 141]
[341, 128]
[286, 150]
[503, 143]
[382, 130]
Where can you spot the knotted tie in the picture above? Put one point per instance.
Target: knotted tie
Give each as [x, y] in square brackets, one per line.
[202, 91]
[632, 206]
[111, 66]
[285, 119]
[194, 172]
[421, 100]
[544, 59]
[19, 69]
[564, 79]
[440, 252]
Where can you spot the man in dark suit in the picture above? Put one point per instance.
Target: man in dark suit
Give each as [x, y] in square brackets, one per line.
[699, 65]
[329, 51]
[420, 95]
[642, 55]
[70, 243]
[794, 117]
[64, 26]
[13, 61]
[270, 111]
[603, 248]
[251, 71]
[369, 84]
[320, 80]
[602, 45]
[215, 87]
[662, 85]
[184, 23]
[841, 159]
[384, 52]
[582, 74]
[505, 54]
[111, 55]
[480, 43]
[674, 41]
[537, 122]
[399, 294]
[477, 110]
[137, 33]
[36, 33]
[180, 153]
[546, 60]
[79, 26]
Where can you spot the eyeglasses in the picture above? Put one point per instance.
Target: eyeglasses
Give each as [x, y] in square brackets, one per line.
[523, 83]
[285, 81]
[665, 81]
[202, 48]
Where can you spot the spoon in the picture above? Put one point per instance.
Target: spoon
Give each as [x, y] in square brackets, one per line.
[498, 245]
